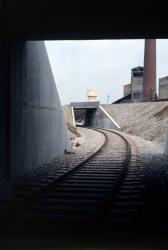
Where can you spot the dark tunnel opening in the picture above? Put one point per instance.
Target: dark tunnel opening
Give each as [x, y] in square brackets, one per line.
[84, 117]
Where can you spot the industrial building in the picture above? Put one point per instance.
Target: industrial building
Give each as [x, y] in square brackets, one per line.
[133, 92]
[137, 83]
[143, 79]
[163, 87]
[127, 89]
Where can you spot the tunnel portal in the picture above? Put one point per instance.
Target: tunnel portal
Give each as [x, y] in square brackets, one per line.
[91, 114]
[84, 113]
[83, 117]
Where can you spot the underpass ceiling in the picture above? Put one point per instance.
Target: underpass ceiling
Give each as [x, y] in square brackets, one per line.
[83, 19]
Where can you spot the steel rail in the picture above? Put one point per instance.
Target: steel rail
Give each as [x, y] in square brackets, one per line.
[107, 199]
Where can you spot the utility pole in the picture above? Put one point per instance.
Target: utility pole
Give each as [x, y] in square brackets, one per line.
[108, 97]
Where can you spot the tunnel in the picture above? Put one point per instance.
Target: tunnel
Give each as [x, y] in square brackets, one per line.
[83, 117]
[25, 69]
[33, 129]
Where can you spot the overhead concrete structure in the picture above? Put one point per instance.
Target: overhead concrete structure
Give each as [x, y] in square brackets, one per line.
[93, 115]
[149, 82]
[83, 105]
[64, 19]
[83, 112]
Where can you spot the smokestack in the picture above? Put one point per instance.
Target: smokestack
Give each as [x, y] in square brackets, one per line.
[149, 80]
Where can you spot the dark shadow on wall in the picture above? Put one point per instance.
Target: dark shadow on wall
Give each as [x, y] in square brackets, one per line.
[37, 127]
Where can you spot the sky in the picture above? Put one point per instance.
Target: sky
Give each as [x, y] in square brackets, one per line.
[103, 65]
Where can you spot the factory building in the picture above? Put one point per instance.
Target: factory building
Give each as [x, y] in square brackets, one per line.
[143, 79]
[133, 92]
[137, 83]
[126, 89]
[163, 87]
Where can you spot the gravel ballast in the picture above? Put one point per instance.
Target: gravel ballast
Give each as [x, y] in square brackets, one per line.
[88, 143]
[155, 165]
[150, 153]
[148, 120]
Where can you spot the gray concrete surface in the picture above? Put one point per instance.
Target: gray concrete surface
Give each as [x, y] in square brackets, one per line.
[94, 115]
[5, 46]
[85, 105]
[101, 119]
[38, 127]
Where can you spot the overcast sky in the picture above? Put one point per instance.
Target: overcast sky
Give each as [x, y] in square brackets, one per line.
[103, 65]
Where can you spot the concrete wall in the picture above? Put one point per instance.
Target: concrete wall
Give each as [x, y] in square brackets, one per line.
[93, 115]
[38, 127]
[4, 108]
[2, 124]
[102, 120]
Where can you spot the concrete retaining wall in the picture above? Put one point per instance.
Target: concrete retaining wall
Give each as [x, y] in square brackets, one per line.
[38, 128]
[101, 119]
[4, 109]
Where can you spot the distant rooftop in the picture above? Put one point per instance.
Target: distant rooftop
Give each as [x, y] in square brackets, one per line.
[137, 68]
[163, 78]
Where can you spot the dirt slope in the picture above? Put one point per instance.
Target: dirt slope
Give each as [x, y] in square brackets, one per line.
[148, 120]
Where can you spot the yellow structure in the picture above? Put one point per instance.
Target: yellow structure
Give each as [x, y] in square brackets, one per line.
[92, 95]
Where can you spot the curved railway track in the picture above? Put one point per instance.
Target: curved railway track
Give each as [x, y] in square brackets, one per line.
[101, 196]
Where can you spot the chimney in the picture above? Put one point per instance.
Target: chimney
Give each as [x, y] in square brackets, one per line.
[149, 80]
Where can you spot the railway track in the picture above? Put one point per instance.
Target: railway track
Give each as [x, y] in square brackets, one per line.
[101, 196]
